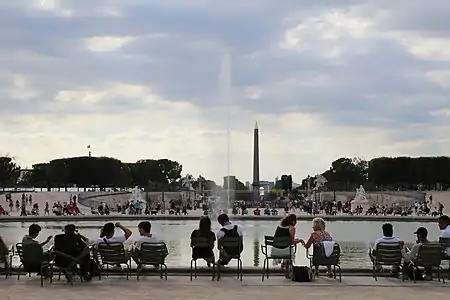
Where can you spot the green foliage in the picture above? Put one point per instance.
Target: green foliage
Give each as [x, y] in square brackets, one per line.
[234, 183]
[9, 171]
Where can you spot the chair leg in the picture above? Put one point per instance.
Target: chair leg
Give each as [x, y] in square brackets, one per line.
[191, 270]
[214, 266]
[165, 271]
[374, 273]
[264, 269]
[240, 268]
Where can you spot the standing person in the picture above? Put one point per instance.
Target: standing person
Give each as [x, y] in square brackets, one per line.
[228, 230]
[285, 229]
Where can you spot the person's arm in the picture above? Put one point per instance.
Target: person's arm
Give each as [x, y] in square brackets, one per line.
[309, 242]
[192, 236]
[408, 256]
[127, 232]
[46, 241]
[292, 234]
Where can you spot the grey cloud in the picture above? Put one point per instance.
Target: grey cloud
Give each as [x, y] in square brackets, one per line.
[185, 64]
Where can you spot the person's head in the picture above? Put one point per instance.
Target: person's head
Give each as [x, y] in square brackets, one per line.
[70, 229]
[422, 234]
[223, 219]
[144, 227]
[33, 230]
[443, 222]
[108, 230]
[388, 230]
[289, 220]
[318, 224]
[205, 224]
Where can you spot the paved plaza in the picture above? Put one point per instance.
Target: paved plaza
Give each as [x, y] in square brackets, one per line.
[251, 287]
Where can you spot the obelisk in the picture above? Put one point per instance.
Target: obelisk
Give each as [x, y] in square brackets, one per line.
[255, 183]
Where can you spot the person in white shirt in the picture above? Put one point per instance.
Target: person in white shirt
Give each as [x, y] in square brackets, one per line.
[444, 225]
[145, 235]
[387, 238]
[108, 231]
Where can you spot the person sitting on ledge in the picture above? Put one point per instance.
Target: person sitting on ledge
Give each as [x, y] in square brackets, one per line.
[228, 230]
[257, 211]
[387, 238]
[204, 231]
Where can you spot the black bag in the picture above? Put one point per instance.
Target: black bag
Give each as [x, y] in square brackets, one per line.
[414, 272]
[301, 274]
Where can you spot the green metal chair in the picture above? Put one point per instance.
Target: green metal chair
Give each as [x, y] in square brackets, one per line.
[446, 245]
[234, 243]
[202, 242]
[387, 255]
[318, 258]
[112, 254]
[279, 243]
[429, 256]
[153, 254]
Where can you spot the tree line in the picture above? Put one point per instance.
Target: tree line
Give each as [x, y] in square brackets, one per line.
[87, 171]
[387, 173]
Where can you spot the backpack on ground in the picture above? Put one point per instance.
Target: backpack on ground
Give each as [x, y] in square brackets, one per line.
[301, 274]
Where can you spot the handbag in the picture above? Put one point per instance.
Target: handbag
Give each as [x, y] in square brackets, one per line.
[301, 274]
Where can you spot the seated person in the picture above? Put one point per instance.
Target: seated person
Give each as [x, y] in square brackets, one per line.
[145, 237]
[422, 234]
[267, 211]
[204, 231]
[107, 234]
[318, 235]
[257, 212]
[4, 252]
[274, 212]
[228, 230]
[33, 252]
[74, 244]
[444, 225]
[387, 238]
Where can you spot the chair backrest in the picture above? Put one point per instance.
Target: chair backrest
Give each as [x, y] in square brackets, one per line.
[32, 256]
[320, 258]
[202, 241]
[111, 253]
[280, 242]
[19, 251]
[445, 242]
[153, 253]
[230, 244]
[388, 254]
[430, 254]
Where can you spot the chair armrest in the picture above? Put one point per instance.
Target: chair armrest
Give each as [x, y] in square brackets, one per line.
[264, 249]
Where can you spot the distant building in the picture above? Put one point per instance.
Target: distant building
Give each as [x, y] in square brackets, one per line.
[267, 185]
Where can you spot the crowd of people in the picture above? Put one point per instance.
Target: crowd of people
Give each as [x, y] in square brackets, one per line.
[27, 207]
[76, 245]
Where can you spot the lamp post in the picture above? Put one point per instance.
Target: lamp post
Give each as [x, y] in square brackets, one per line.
[89, 150]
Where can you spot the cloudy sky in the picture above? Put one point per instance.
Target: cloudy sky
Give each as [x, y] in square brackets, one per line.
[158, 78]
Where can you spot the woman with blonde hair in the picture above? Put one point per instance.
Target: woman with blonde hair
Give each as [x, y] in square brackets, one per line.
[318, 235]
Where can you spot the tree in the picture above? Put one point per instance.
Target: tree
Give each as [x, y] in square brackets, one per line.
[9, 171]
[37, 176]
[235, 184]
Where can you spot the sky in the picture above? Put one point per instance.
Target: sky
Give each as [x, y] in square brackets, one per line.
[168, 78]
